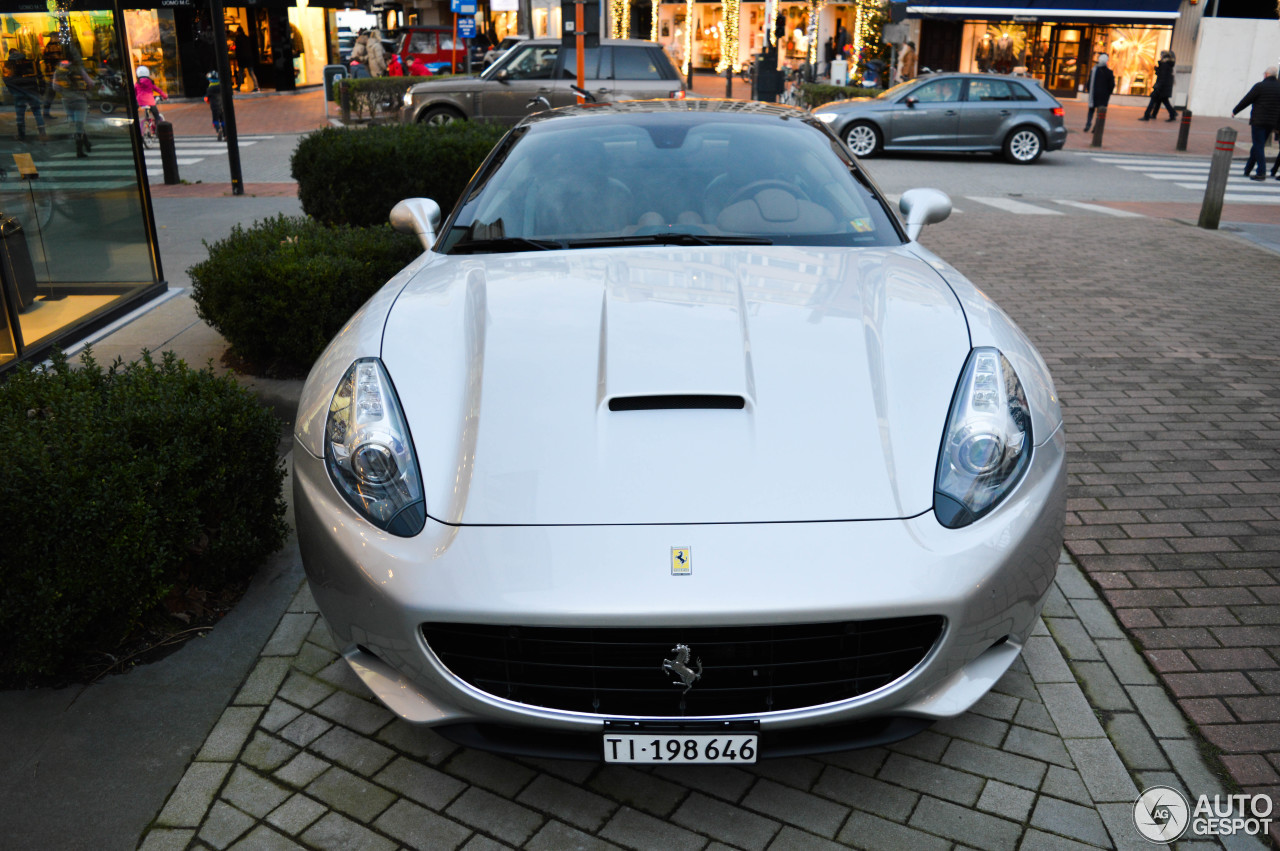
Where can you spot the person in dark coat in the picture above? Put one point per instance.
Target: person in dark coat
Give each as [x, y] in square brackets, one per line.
[1163, 89]
[1264, 98]
[1102, 82]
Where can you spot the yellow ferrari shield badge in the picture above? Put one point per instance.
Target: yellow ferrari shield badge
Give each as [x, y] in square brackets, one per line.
[681, 561]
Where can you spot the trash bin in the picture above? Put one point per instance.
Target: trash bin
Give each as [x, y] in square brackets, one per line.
[16, 269]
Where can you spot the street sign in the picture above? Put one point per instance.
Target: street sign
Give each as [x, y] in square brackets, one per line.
[466, 27]
[462, 7]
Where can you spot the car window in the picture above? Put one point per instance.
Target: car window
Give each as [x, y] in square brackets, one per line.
[658, 174]
[590, 64]
[938, 91]
[446, 42]
[988, 90]
[534, 62]
[1020, 92]
[422, 42]
[635, 63]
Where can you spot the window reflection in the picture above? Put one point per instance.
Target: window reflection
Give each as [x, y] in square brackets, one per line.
[73, 222]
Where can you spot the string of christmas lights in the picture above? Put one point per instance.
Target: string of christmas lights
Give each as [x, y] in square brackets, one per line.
[620, 18]
[729, 46]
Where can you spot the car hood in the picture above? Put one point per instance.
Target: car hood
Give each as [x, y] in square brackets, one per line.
[449, 84]
[845, 361]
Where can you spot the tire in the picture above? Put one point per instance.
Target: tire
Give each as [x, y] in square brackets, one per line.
[864, 139]
[1024, 146]
[439, 116]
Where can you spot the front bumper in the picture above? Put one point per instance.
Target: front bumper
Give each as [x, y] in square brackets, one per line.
[987, 580]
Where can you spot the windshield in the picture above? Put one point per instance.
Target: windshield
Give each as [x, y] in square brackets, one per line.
[653, 178]
[890, 92]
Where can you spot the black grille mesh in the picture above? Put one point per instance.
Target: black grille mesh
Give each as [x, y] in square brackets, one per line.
[618, 671]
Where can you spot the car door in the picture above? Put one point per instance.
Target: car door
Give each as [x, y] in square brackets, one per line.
[638, 73]
[928, 116]
[986, 108]
[592, 58]
[529, 73]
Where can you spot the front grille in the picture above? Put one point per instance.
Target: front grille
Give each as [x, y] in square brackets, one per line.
[746, 670]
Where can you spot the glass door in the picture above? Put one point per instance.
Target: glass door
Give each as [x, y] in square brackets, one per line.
[1068, 60]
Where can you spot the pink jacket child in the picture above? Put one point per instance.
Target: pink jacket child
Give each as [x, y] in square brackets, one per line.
[147, 90]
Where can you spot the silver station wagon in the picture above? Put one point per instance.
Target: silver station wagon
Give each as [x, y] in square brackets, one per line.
[1012, 116]
[509, 89]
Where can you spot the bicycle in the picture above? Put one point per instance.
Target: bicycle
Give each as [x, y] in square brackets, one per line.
[149, 121]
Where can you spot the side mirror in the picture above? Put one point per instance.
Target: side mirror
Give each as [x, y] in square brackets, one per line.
[502, 76]
[919, 207]
[421, 216]
[911, 102]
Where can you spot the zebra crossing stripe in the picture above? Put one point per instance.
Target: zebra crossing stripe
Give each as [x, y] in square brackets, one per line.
[1011, 206]
[1098, 208]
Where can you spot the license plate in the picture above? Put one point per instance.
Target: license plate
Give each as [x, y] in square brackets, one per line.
[688, 748]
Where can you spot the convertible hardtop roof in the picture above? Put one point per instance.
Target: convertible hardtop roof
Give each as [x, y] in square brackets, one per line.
[720, 106]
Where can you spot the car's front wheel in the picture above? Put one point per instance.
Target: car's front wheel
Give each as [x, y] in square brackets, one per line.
[439, 116]
[1024, 146]
[864, 139]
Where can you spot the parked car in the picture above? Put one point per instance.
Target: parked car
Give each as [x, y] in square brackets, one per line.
[677, 446]
[435, 47]
[619, 69]
[952, 112]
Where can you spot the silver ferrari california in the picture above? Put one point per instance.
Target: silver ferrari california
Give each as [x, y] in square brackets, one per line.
[676, 446]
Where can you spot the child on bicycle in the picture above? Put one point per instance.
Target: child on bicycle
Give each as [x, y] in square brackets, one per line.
[213, 97]
[147, 93]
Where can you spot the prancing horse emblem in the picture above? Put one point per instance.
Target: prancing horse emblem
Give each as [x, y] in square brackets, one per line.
[680, 667]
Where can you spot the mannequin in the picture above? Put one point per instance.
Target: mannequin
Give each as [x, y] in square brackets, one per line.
[1004, 54]
[983, 55]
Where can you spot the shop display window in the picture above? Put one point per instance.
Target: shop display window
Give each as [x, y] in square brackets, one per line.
[153, 42]
[306, 29]
[1131, 54]
[75, 222]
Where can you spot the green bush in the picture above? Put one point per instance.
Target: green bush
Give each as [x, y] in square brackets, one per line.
[816, 94]
[119, 482]
[280, 290]
[355, 177]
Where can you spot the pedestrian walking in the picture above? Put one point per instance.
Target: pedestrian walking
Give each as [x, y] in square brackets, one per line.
[1163, 89]
[1264, 114]
[1102, 82]
[245, 59]
[72, 82]
[21, 81]
[360, 49]
[213, 97]
[377, 60]
[907, 62]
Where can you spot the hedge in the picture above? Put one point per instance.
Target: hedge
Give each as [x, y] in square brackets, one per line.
[356, 176]
[816, 94]
[280, 290]
[119, 483]
[379, 96]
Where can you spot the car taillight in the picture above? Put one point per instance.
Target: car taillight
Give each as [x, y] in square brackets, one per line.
[1059, 111]
[678, 95]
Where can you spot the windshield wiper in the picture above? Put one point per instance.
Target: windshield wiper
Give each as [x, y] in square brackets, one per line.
[505, 244]
[667, 239]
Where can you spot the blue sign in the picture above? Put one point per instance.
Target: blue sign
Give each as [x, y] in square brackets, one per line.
[462, 7]
[466, 27]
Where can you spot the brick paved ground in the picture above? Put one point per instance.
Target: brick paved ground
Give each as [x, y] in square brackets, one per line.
[305, 758]
[1162, 341]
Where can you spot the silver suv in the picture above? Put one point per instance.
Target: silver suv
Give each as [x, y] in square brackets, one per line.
[509, 89]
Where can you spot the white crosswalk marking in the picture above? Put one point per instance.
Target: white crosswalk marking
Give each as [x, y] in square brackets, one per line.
[110, 164]
[1011, 206]
[1192, 173]
[1098, 208]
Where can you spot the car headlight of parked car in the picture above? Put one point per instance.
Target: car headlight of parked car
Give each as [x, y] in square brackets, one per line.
[408, 97]
[369, 453]
[987, 444]
[825, 117]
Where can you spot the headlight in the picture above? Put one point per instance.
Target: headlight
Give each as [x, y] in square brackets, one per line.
[408, 98]
[825, 117]
[369, 454]
[987, 445]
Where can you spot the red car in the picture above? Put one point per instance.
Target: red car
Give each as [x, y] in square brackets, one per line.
[435, 47]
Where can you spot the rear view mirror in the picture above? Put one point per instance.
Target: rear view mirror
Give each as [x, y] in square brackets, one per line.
[922, 207]
[420, 216]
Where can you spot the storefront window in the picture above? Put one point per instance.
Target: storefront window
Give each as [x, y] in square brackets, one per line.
[1132, 54]
[70, 193]
[306, 30]
[153, 43]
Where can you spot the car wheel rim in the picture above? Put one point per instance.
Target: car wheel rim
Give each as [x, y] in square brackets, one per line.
[862, 140]
[440, 119]
[1025, 145]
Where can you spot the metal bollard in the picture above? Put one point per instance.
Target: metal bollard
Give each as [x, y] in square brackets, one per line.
[1099, 123]
[168, 153]
[1219, 171]
[344, 97]
[1184, 130]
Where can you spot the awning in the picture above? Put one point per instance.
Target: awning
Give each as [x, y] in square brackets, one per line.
[1048, 10]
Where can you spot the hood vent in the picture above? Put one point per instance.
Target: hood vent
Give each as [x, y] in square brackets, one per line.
[675, 402]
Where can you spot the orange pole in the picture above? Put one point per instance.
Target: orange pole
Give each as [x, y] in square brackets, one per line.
[579, 25]
[453, 56]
